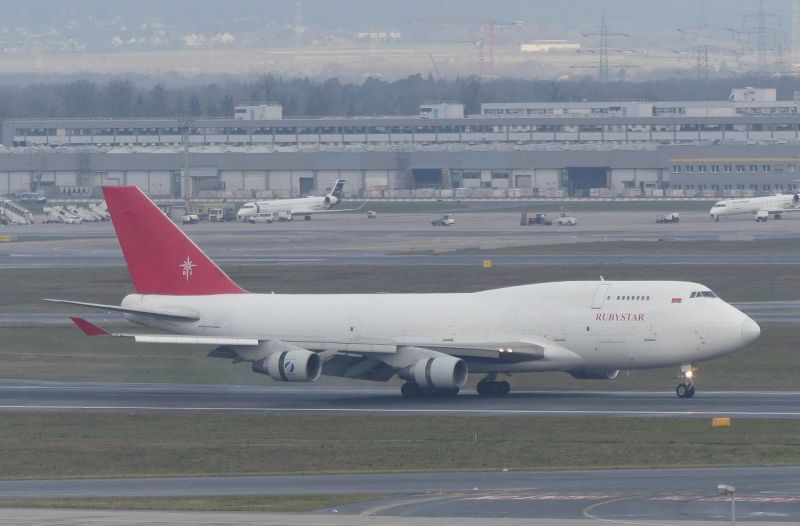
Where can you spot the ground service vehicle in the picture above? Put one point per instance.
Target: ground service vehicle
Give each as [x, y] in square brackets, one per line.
[535, 219]
[567, 221]
[588, 329]
[219, 215]
[372, 214]
[445, 220]
[670, 217]
[190, 219]
[262, 217]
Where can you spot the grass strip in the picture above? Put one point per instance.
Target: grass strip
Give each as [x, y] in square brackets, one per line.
[69, 444]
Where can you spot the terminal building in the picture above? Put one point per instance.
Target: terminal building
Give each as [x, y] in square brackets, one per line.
[744, 146]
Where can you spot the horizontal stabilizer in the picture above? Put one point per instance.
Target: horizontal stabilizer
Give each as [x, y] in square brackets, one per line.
[173, 314]
[88, 328]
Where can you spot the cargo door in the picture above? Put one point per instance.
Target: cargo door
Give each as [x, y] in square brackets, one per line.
[600, 295]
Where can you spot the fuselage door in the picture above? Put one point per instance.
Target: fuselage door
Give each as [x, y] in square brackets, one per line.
[600, 295]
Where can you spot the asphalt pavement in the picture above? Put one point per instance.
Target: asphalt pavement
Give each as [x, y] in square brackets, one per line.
[27, 395]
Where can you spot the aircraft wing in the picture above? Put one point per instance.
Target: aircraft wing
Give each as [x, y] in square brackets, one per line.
[90, 329]
[782, 210]
[377, 361]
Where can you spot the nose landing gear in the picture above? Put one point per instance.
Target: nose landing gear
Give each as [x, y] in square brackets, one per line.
[686, 389]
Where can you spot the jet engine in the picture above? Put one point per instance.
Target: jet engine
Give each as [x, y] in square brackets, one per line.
[594, 374]
[290, 366]
[445, 372]
[796, 198]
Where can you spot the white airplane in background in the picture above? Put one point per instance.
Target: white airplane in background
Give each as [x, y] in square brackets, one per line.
[589, 329]
[760, 207]
[286, 209]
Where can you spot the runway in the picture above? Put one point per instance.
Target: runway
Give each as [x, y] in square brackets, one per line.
[21, 395]
[608, 495]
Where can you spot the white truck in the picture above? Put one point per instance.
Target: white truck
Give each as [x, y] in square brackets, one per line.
[566, 220]
[669, 217]
[445, 220]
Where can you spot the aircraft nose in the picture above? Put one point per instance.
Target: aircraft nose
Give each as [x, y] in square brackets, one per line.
[750, 330]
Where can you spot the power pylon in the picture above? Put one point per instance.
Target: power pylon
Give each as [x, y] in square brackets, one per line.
[602, 51]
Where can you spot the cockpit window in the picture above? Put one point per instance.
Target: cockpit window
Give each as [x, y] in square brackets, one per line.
[248, 205]
[703, 294]
[720, 205]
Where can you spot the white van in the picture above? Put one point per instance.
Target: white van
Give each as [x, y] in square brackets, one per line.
[262, 217]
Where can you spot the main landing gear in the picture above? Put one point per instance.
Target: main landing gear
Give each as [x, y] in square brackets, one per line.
[412, 390]
[489, 386]
[686, 389]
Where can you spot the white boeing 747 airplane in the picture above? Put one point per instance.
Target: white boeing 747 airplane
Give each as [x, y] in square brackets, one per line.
[760, 207]
[589, 329]
[301, 206]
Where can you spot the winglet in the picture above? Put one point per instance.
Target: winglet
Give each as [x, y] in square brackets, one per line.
[89, 329]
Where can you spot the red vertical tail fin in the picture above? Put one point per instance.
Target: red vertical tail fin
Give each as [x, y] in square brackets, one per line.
[160, 256]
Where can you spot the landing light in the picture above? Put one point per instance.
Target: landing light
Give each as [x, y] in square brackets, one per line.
[689, 374]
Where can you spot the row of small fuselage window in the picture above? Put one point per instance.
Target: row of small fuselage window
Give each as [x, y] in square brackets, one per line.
[632, 298]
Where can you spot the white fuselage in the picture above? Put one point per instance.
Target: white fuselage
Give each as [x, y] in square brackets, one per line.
[613, 325]
[752, 205]
[299, 206]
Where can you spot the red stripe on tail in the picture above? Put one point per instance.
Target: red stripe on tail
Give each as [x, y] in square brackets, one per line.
[161, 258]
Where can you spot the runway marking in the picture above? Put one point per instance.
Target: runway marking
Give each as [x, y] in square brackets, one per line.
[565, 497]
[491, 411]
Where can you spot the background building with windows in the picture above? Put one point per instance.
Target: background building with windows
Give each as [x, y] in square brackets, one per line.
[746, 145]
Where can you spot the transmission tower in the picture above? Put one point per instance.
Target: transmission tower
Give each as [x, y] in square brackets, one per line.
[602, 51]
[707, 39]
[763, 30]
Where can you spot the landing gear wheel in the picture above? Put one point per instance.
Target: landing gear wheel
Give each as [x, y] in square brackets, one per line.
[685, 390]
[410, 390]
[493, 388]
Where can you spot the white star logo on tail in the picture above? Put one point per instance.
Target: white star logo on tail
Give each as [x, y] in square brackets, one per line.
[186, 268]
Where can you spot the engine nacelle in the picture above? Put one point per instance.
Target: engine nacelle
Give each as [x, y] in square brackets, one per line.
[594, 374]
[290, 366]
[444, 372]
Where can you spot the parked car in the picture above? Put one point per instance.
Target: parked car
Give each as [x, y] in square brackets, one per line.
[372, 214]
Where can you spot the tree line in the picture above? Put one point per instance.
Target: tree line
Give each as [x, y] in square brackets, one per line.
[122, 97]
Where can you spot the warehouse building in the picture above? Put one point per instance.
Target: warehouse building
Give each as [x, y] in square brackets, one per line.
[746, 145]
[701, 170]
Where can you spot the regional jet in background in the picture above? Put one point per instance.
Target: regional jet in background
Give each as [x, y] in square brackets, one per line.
[286, 209]
[760, 207]
[589, 329]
